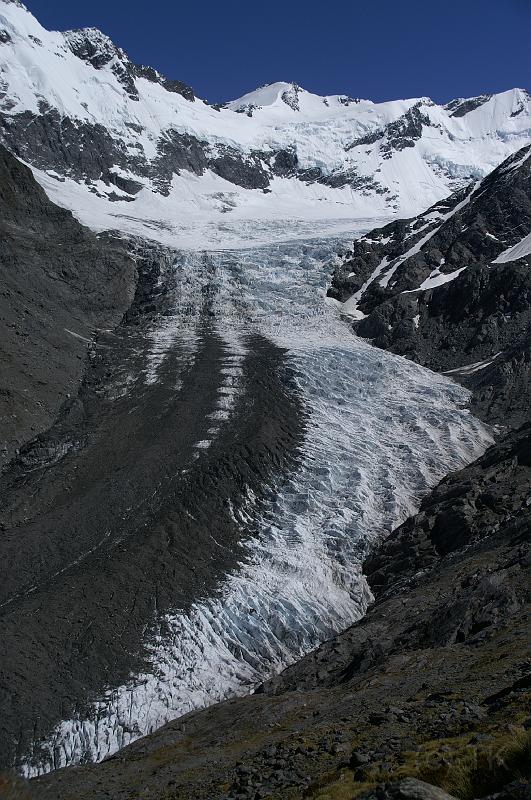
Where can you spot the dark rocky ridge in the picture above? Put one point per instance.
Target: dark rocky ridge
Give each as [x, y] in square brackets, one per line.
[87, 152]
[102, 529]
[462, 107]
[59, 283]
[404, 132]
[431, 684]
[484, 313]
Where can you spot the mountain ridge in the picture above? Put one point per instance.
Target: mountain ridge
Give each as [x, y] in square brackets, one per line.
[119, 144]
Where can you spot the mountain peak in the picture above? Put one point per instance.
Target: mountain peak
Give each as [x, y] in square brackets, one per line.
[93, 46]
[277, 94]
[462, 106]
[97, 49]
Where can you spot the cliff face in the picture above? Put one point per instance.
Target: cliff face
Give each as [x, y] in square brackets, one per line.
[451, 289]
[59, 282]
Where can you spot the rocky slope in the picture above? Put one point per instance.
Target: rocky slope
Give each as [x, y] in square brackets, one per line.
[120, 475]
[432, 684]
[59, 283]
[451, 289]
[126, 148]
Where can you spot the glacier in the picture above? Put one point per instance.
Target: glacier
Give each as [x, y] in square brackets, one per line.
[381, 431]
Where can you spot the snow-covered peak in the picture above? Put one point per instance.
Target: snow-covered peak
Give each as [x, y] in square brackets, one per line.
[56, 68]
[98, 50]
[513, 102]
[90, 44]
[123, 143]
[282, 97]
[269, 95]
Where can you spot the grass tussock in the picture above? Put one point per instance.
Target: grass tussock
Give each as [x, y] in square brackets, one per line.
[476, 772]
[462, 769]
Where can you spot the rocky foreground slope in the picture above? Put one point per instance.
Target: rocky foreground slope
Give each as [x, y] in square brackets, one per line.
[432, 685]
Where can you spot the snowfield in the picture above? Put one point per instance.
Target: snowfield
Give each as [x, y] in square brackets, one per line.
[520, 250]
[353, 159]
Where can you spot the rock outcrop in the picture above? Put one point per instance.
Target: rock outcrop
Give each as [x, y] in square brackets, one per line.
[59, 282]
[438, 290]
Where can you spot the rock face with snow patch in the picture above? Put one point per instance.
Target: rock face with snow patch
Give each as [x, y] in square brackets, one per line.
[451, 289]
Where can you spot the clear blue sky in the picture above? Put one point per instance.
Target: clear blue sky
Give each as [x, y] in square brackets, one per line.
[377, 50]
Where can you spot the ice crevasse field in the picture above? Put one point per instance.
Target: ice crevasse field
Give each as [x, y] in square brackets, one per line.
[381, 431]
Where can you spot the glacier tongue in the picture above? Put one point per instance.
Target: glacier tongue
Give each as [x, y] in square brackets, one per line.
[381, 431]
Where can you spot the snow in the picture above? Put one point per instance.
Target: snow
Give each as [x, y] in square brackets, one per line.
[436, 279]
[517, 163]
[209, 212]
[425, 239]
[470, 369]
[78, 336]
[320, 130]
[350, 306]
[519, 250]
